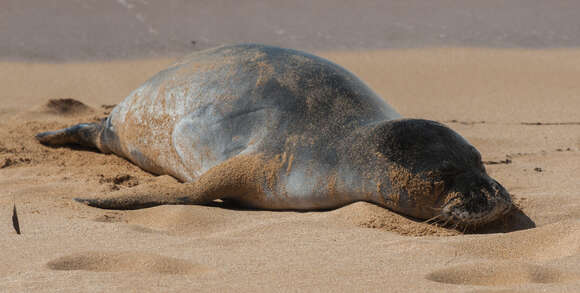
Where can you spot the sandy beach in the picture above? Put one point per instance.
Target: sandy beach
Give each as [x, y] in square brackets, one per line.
[504, 77]
[511, 104]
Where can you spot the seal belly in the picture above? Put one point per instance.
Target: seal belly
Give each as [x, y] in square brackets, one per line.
[140, 127]
[178, 137]
[301, 184]
[206, 138]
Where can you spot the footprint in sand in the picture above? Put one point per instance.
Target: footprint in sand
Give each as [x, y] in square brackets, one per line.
[124, 262]
[500, 274]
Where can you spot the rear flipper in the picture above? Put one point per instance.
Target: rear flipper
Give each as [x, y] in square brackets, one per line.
[84, 134]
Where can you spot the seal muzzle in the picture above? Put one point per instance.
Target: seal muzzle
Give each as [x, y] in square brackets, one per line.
[481, 204]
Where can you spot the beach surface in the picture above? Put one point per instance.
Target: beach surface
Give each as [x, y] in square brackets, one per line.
[518, 107]
[503, 74]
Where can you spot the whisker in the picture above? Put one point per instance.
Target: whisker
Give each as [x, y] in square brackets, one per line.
[446, 222]
[437, 222]
[435, 209]
[432, 219]
[465, 229]
[456, 225]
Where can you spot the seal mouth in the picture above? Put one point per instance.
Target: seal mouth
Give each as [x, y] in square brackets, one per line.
[477, 207]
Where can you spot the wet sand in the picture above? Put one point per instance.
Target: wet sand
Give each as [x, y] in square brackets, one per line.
[67, 30]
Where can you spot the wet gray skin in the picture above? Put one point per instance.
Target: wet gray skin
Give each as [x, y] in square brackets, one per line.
[275, 128]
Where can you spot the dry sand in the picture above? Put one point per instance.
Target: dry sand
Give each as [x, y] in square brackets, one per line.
[516, 106]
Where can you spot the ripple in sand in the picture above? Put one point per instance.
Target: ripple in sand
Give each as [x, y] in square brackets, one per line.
[124, 262]
[493, 274]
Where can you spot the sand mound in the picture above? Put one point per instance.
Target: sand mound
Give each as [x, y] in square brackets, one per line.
[200, 220]
[367, 215]
[500, 274]
[66, 111]
[124, 262]
[66, 107]
[184, 219]
[211, 219]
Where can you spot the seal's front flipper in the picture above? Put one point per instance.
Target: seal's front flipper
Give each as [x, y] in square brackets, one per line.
[231, 179]
[133, 201]
[161, 192]
[84, 134]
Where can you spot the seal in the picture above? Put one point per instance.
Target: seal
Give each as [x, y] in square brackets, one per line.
[279, 129]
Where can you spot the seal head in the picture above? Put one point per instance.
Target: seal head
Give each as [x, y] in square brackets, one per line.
[434, 173]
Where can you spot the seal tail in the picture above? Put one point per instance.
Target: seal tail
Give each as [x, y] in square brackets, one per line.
[84, 134]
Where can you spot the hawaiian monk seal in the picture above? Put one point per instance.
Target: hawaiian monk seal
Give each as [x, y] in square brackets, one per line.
[275, 128]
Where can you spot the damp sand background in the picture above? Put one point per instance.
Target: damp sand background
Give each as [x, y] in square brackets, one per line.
[505, 76]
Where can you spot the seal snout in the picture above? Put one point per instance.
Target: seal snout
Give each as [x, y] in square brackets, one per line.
[478, 206]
